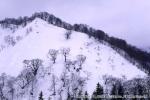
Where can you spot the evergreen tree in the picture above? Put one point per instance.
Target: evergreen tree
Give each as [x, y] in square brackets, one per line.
[98, 93]
[138, 90]
[86, 97]
[117, 91]
[120, 92]
[94, 96]
[99, 89]
[41, 96]
[114, 92]
[79, 95]
[69, 97]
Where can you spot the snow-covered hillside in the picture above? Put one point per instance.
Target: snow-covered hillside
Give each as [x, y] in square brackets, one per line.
[11, 35]
[39, 36]
[45, 36]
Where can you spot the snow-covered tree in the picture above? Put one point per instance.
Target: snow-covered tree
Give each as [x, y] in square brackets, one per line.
[2, 85]
[52, 54]
[68, 34]
[28, 77]
[65, 52]
[98, 92]
[11, 87]
[25, 78]
[86, 96]
[10, 40]
[65, 78]
[68, 65]
[80, 95]
[80, 60]
[28, 30]
[41, 96]
[33, 65]
[53, 84]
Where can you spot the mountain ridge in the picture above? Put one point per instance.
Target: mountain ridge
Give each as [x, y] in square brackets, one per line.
[131, 53]
[89, 61]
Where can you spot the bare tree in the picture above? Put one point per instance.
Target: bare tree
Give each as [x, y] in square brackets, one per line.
[74, 64]
[52, 54]
[77, 83]
[68, 34]
[25, 78]
[10, 40]
[68, 65]
[60, 91]
[33, 65]
[11, 87]
[53, 84]
[18, 38]
[2, 85]
[65, 52]
[80, 60]
[28, 30]
[65, 78]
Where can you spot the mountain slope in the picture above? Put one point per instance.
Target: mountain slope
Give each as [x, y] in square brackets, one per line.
[131, 53]
[101, 59]
[45, 37]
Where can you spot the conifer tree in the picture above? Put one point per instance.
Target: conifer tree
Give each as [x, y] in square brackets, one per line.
[79, 95]
[117, 92]
[94, 96]
[41, 96]
[120, 92]
[138, 90]
[97, 95]
[99, 89]
[86, 97]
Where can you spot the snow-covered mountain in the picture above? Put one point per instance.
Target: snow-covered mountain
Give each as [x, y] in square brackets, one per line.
[45, 36]
[34, 40]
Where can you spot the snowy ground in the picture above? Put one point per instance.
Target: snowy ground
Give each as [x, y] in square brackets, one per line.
[101, 59]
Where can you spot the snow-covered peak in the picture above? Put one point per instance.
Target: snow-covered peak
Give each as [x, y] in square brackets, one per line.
[38, 37]
[44, 36]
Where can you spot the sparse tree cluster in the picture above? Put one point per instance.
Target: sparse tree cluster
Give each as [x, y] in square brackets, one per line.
[25, 78]
[52, 54]
[65, 52]
[77, 64]
[28, 30]
[68, 34]
[33, 65]
[9, 40]
[69, 83]
[80, 60]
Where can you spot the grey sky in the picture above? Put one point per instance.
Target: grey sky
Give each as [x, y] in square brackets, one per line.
[127, 19]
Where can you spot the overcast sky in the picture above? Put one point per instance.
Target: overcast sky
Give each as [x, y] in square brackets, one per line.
[127, 19]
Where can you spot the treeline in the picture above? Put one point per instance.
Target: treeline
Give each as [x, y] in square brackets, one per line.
[114, 89]
[132, 53]
[70, 85]
[42, 15]
[119, 89]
